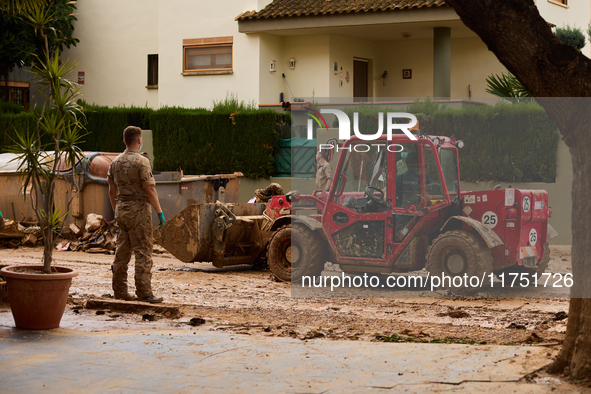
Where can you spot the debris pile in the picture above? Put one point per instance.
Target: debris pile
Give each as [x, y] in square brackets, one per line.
[98, 236]
[13, 234]
[31, 235]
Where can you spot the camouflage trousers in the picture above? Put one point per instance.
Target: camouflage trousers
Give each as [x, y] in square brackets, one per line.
[134, 220]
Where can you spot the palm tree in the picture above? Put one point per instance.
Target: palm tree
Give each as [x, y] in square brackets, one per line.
[59, 121]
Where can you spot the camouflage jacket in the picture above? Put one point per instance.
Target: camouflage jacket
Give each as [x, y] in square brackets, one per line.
[131, 173]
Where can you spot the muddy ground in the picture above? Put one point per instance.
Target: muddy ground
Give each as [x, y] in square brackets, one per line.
[246, 301]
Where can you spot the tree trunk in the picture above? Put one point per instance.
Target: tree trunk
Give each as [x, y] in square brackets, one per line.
[575, 355]
[524, 43]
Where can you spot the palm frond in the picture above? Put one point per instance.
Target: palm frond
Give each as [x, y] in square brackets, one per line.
[13, 7]
[506, 86]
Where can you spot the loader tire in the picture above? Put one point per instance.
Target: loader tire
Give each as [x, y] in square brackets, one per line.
[541, 268]
[457, 253]
[294, 251]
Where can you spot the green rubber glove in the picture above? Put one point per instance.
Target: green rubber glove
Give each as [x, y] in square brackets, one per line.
[161, 218]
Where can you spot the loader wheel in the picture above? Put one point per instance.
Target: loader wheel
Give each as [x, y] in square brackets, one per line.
[294, 251]
[458, 253]
[541, 268]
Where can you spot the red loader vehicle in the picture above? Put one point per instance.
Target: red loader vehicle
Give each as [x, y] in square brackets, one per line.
[396, 206]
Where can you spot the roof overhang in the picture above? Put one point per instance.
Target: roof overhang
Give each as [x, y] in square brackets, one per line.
[284, 24]
[378, 26]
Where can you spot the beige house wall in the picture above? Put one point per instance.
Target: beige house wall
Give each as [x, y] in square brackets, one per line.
[344, 50]
[272, 83]
[312, 57]
[396, 56]
[316, 54]
[471, 63]
[185, 19]
[115, 39]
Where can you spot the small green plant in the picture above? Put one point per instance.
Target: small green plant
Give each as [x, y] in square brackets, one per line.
[391, 338]
[231, 105]
[572, 36]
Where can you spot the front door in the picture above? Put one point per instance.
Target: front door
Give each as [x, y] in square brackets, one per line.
[360, 79]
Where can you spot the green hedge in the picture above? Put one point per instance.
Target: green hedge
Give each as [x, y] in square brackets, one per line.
[201, 142]
[9, 122]
[105, 126]
[197, 140]
[508, 143]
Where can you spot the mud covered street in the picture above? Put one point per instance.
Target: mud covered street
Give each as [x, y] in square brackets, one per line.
[245, 301]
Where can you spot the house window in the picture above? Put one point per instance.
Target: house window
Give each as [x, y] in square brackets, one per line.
[15, 92]
[207, 56]
[152, 71]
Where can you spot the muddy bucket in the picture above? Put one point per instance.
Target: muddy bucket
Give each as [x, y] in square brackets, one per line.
[188, 235]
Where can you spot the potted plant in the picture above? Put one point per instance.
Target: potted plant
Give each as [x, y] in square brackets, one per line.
[38, 294]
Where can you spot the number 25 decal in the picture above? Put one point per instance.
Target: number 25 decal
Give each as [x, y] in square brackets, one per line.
[526, 204]
[490, 219]
[533, 237]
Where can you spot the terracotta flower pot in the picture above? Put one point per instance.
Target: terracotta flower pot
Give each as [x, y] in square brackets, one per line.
[37, 300]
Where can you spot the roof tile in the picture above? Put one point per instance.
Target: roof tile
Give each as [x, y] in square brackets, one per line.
[295, 8]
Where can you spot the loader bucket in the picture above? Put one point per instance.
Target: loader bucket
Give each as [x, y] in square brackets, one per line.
[187, 235]
[225, 234]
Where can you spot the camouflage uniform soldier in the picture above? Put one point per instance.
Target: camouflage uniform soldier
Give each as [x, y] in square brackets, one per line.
[131, 191]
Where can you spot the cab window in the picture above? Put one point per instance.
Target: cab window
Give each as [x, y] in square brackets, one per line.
[365, 165]
[449, 166]
[417, 176]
